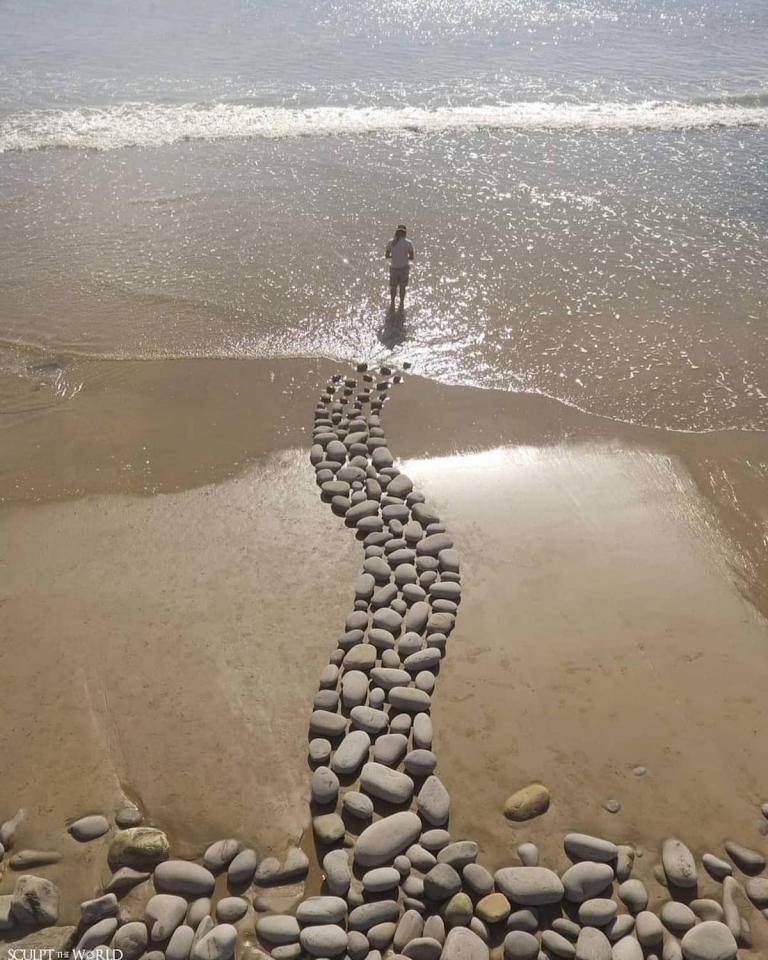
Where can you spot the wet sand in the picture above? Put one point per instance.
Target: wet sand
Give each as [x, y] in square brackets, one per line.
[176, 637]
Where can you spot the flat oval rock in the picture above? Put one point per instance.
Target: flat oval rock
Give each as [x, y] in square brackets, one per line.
[278, 929]
[380, 879]
[385, 783]
[585, 880]
[746, 859]
[597, 912]
[463, 944]
[219, 944]
[321, 910]
[389, 677]
[530, 886]
[325, 785]
[370, 720]
[89, 828]
[527, 803]
[521, 945]
[327, 724]
[390, 749]
[580, 846]
[382, 841]
[709, 940]
[592, 944]
[433, 801]
[432, 545]
[679, 865]
[351, 753]
[409, 699]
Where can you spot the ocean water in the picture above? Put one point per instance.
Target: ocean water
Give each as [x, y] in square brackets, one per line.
[585, 182]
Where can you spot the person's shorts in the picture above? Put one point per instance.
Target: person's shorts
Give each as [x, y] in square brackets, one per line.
[398, 277]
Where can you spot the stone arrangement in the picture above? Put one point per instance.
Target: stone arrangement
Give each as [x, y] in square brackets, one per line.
[395, 882]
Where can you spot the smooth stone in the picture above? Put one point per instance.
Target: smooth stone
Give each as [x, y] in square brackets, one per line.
[619, 927]
[458, 854]
[709, 940]
[530, 886]
[346, 641]
[706, 909]
[357, 945]
[131, 940]
[381, 935]
[567, 928]
[423, 948]
[390, 749]
[294, 867]
[385, 783]
[361, 657]
[319, 751]
[382, 598]
[358, 805]
[369, 915]
[389, 677]
[757, 890]
[128, 816]
[380, 879]
[440, 623]
[716, 867]
[433, 801]
[624, 862]
[403, 555]
[89, 828]
[181, 943]
[580, 846]
[420, 763]
[478, 879]
[529, 854]
[423, 860]
[181, 876]
[417, 617]
[677, 917]
[219, 944]
[321, 910]
[361, 511]
[410, 927]
[370, 720]
[432, 545]
[384, 840]
[445, 590]
[376, 698]
[35, 901]
[521, 945]
[29, 859]
[198, 910]
[243, 867]
[425, 681]
[351, 754]
[627, 949]
[338, 872]
[388, 619]
[612, 806]
[592, 944]
[98, 908]
[378, 568]
[220, 854]
[327, 724]
[408, 644]
[427, 659]
[648, 929]
[381, 457]
[678, 863]
[326, 700]
[231, 909]
[556, 944]
[409, 700]
[125, 879]
[164, 912]
[493, 908]
[413, 593]
[400, 486]
[747, 860]
[138, 847]
[428, 564]
[364, 586]
[458, 911]
[390, 660]
[634, 895]
[98, 935]
[597, 912]
[278, 929]
[585, 880]
[356, 621]
[442, 882]
[434, 928]
[463, 944]
[328, 828]
[527, 920]
[527, 803]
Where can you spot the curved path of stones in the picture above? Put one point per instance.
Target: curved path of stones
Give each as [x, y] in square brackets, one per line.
[395, 882]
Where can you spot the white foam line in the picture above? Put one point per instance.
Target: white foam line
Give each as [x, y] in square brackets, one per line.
[151, 124]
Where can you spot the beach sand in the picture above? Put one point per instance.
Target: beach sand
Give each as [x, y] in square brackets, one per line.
[172, 587]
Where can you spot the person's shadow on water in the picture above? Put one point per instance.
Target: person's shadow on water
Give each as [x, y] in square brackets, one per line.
[392, 332]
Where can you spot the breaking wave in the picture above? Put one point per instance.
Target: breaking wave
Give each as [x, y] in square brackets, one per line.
[154, 124]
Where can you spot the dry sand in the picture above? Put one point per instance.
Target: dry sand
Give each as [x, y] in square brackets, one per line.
[167, 646]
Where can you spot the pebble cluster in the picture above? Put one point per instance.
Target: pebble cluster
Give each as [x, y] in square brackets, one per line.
[395, 883]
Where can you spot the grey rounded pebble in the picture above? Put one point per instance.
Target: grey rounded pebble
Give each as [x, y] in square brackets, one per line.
[325, 784]
[384, 840]
[706, 909]
[520, 945]
[319, 751]
[385, 783]
[624, 862]
[126, 878]
[580, 846]
[381, 879]
[231, 909]
[634, 895]
[380, 936]
[410, 926]
[621, 926]
[198, 909]
[354, 688]
[678, 863]
[89, 828]
[390, 749]
[640, 771]
[219, 944]
[420, 763]
[648, 929]
[182, 876]
[566, 928]
[757, 890]
[409, 699]
[358, 805]
[459, 854]
[530, 886]
[98, 935]
[593, 944]
[328, 828]
[321, 910]
[716, 867]
[478, 879]
[278, 929]
[30, 859]
[352, 752]
[369, 915]
[181, 943]
[128, 816]
[131, 939]
[597, 912]
[338, 872]
[627, 949]
[678, 918]
[441, 882]
[586, 880]
[376, 698]
[527, 920]
[747, 860]
[243, 867]
[327, 724]
[357, 945]
[422, 731]
[529, 854]
[388, 677]
[464, 944]
[433, 801]
[709, 940]
[612, 806]
[556, 944]
[164, 912]
[370, 720]
[98, 908]
[220, 854]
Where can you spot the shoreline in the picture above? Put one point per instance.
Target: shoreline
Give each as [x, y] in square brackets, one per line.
[447, 419]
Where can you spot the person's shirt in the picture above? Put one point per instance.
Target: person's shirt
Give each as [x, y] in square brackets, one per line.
[401, 251]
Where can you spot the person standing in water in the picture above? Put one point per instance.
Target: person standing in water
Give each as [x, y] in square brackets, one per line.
[400, 253]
